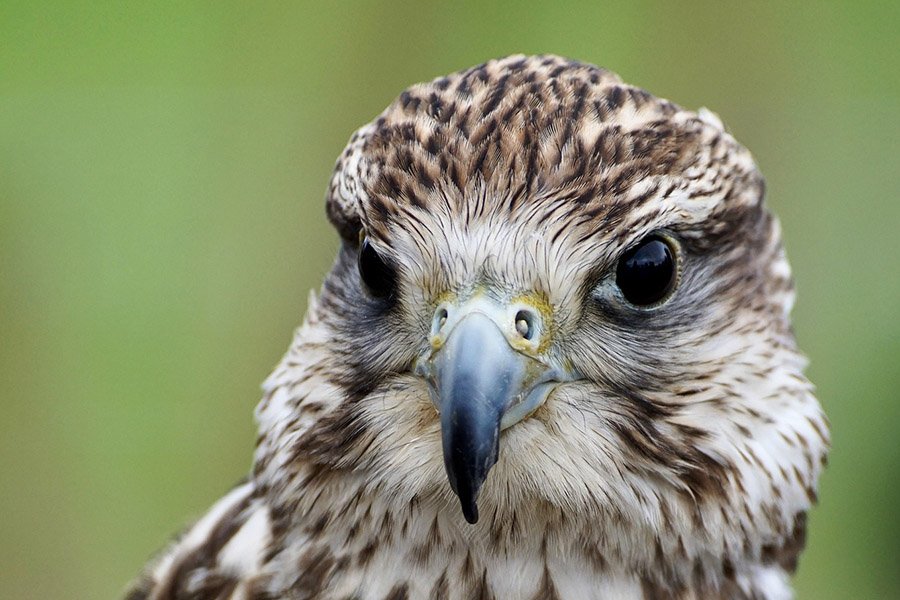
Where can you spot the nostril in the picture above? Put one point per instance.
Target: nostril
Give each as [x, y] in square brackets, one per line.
[440, 318]
[526, 324]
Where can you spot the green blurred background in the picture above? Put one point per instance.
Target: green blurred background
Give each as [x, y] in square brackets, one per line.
[162, 170]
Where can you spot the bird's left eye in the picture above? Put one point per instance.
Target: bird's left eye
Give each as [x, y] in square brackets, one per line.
[646, 274]
[379, 277]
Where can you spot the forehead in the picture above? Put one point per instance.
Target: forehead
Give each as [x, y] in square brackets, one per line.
[549, 145]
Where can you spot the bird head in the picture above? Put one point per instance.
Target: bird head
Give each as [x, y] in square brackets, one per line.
[555, 292]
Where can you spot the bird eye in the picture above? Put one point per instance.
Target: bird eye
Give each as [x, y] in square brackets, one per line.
[379, 277]
[646, 273]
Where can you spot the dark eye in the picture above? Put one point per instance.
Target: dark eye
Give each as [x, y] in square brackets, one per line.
[646, 273]
[378, 276]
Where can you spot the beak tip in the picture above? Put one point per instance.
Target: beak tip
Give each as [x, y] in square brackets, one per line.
[469, 509]
[467, 492]
[471, 515]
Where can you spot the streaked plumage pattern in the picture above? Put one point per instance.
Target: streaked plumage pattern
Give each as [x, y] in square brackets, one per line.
[679, 463]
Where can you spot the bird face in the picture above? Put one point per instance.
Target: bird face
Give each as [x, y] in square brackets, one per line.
[558, 293]
[503, 321]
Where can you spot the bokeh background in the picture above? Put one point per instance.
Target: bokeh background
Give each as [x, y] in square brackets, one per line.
[162, 170]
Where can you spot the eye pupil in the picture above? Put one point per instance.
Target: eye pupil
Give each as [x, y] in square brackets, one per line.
[378, 276]
[646, 273]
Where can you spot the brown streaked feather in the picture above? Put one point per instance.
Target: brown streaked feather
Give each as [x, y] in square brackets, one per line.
[680, 464]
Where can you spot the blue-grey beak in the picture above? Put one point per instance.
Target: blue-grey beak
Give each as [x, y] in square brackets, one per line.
[481, 384]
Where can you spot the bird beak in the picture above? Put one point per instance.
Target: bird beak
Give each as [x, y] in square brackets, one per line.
[485, 374]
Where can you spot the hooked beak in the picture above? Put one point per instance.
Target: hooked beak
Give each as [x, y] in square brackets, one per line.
[484, 375]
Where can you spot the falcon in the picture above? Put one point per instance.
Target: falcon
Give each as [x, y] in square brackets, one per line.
[552, 360]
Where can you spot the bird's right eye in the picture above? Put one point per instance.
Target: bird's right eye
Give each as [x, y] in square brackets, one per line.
[379, 277]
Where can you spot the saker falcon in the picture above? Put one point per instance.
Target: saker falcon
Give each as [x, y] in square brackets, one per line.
[553, 359]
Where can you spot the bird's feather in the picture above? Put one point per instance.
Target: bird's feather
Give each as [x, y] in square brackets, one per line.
[679, 463]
